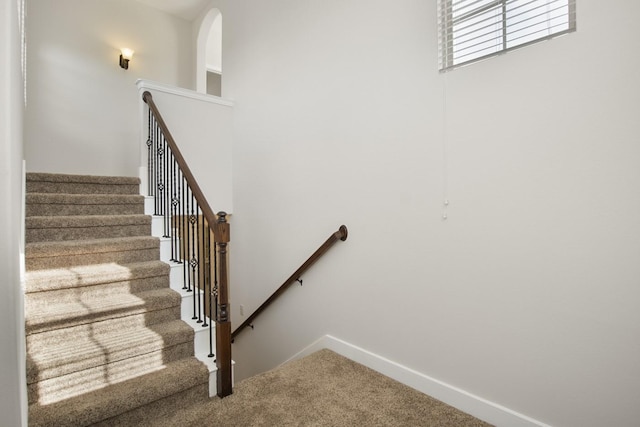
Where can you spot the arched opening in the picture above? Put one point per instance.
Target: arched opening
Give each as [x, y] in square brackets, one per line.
[209, 54]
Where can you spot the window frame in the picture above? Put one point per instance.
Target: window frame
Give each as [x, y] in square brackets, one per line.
[446, 45]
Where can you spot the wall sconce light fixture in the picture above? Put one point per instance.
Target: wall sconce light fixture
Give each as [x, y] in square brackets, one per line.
[125, 57]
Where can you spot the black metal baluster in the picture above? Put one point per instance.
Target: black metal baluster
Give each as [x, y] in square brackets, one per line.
[213, 306]
[149, 171]
[167, 190]
[192, 220]
[156, 140]
[157, 169]
[156, 144]
[161, 183]
[184, 244]
[189, 236]
[199, 261]
[206, 272]
[152, 157]
[174, 206]
[177, 221]
[165, 186]
[152, 182]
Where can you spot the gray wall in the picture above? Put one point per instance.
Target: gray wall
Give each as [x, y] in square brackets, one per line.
[82, 110]
[12, 353]
[527, 294]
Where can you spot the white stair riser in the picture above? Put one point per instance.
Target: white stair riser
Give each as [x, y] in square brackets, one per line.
[148, 205]
[201, 340]
[157, 226]
[176, 278]
[165, 250]
[186, 309]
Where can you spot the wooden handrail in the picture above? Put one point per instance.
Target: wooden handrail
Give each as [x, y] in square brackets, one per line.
[220, 228]
[195, 188]
[341, 234]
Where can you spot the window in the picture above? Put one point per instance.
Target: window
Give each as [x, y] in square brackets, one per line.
[471, 30]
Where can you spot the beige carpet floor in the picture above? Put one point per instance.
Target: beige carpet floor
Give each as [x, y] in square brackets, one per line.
[322, 389]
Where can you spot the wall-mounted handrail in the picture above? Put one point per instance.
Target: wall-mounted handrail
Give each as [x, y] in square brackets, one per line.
[341, 234]
[189, 222]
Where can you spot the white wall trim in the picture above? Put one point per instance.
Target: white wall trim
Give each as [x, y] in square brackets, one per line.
[186, 93]
[477, 406]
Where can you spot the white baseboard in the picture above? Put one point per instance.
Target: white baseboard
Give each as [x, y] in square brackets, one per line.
[474, 405]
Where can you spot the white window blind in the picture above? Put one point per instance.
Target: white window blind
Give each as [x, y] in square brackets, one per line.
[471, 30]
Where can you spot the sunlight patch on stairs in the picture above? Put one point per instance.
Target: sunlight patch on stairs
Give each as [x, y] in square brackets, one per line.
[83, 275]
[107, 374]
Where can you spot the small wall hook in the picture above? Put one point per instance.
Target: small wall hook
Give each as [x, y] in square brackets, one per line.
[299, 280]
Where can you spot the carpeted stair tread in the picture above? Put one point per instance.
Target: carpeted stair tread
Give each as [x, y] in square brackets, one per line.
[83, 179]
[81, 184]
[52, 255]
[123, 324]
[49, 249]
[93, 275]
[52, 315]
[105, 290]
[116, 399]
[83, 221]
[149, 415]
[50, 357]
[76, 227]
[82, 382]
[52, 204]
[94, 378]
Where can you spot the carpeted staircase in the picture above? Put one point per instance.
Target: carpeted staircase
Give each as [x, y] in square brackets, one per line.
[105, 343]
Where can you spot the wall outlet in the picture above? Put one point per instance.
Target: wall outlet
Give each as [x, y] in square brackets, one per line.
[241, 310]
